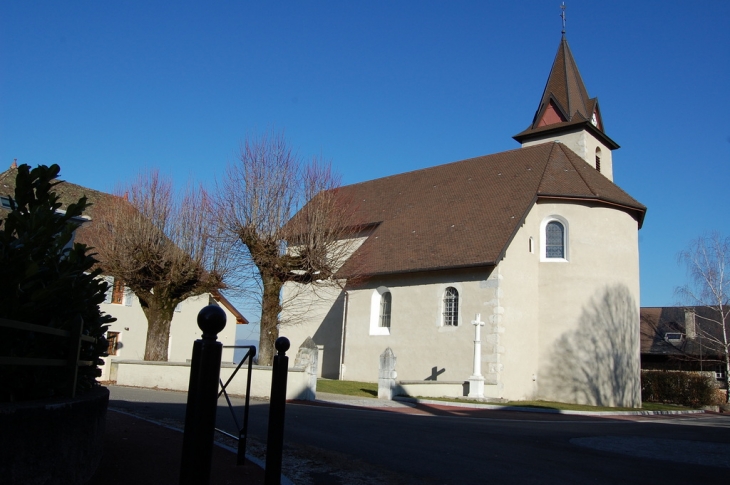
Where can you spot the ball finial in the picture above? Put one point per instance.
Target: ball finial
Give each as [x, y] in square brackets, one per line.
[282, 344]
[211, 320]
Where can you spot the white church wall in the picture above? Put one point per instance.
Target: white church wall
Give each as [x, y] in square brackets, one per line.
[425, 349]
[518, 364]
[315, 312]
[589, 309]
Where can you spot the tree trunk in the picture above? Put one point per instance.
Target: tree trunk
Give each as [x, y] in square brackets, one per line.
[270, 309]
[727, 375]
[159, 317]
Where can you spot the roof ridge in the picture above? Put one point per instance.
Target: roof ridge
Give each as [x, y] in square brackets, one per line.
[71, 184]
[437, 166]
[547, 164]
[590, 186]
[563, 44]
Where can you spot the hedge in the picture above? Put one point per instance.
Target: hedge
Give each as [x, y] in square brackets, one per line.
[676, 387]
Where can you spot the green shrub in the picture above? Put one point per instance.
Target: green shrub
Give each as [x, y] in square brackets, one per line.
[46, 281]
[685, 388]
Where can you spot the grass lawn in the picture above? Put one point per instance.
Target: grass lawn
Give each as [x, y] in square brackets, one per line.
[370, 389]
[350, 388]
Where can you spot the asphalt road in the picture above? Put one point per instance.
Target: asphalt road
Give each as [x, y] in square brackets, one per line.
[441, 445]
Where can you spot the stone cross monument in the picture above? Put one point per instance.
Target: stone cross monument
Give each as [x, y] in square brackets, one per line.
[476, 381]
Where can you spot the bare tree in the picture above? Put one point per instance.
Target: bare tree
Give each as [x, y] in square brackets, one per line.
[255, 203]
[161, 246]
[706, 260]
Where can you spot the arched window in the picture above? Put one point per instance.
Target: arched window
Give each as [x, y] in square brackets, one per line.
[598, 159]
[554, 240]
[381, 303]
[385, 304]
[451, 307]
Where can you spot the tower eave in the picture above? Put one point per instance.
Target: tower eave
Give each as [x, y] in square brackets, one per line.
[531, 134]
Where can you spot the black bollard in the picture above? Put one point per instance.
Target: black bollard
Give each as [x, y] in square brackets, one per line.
[205, 370]
[277, 407]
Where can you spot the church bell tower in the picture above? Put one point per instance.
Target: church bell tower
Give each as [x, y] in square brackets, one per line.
[567, 114]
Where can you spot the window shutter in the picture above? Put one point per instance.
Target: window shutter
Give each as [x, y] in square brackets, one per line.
[127, 296]
[110, 282]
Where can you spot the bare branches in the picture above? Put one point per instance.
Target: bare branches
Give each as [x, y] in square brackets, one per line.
[254, 206]
[260, 193]
[707, 258]
[164, 247]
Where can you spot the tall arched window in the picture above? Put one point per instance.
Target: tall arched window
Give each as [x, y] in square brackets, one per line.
[385, 304]
[451, 307]
[381, 303]
[554, 240]
[598, 159]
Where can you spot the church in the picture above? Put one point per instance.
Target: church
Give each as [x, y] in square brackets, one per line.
[536, 247]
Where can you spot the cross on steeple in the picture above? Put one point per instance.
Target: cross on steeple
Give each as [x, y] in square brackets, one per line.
[562, 15]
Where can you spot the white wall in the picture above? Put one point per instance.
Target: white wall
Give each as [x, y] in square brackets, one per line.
[176, 376]
[132, 327]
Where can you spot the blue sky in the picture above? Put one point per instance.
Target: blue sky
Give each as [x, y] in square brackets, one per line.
[105, 89]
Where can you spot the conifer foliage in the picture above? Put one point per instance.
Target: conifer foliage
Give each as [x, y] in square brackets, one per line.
[46, 280]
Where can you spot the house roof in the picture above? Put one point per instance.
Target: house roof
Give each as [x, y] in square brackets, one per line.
[464, 214]
[656, 322]
[565, 104]
[218, 297]
[67, 192]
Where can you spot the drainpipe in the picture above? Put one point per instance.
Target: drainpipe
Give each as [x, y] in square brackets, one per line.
[342, 337]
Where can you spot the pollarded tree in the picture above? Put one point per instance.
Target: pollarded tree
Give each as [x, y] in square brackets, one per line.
[255, 203]
[161, 246]
[707, 260]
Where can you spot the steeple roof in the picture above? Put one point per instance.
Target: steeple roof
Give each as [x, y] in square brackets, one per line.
[565, 104]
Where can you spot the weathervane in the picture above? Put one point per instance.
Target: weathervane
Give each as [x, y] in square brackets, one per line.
[562, 14]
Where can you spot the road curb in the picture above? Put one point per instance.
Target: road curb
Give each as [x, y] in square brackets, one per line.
[540, 410]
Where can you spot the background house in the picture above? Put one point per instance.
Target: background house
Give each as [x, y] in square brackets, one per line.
[538, 241]
[128, 335]
[682, 338]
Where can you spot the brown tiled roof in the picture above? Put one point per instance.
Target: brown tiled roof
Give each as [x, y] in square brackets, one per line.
[656, 322]
[566, 91]
[464, 214]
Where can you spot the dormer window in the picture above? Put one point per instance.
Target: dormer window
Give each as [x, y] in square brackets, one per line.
[673, 337]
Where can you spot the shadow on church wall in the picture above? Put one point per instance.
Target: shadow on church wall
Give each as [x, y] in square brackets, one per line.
[598, 363]
[329, 335]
